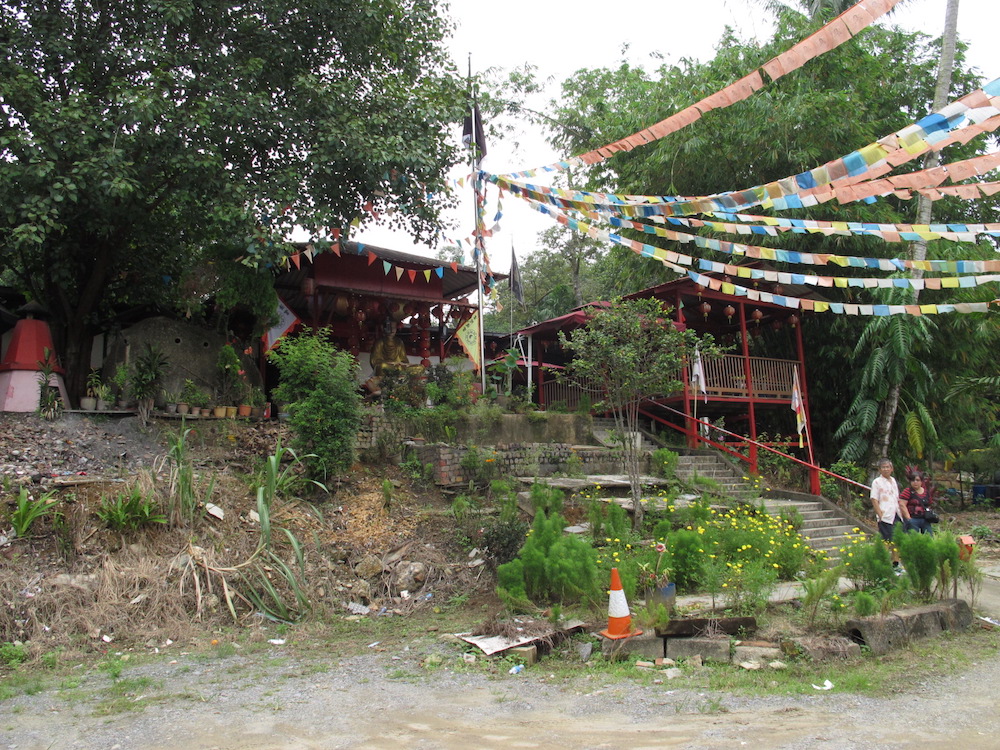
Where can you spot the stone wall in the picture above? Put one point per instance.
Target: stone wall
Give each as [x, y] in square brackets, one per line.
[516, 459]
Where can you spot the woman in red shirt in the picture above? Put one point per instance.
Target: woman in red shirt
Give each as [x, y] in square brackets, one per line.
[917, 500]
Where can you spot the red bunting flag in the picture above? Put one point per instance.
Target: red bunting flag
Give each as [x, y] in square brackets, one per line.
[372, 257]
[296, 259]
[412, 274]
[454, 266]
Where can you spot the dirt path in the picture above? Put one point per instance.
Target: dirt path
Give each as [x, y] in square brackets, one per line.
[273, 701]
[362, 703]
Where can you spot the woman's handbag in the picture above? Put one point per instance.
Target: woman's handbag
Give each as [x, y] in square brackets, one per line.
[931, 516]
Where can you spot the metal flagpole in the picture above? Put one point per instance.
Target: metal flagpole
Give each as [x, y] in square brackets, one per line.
[479, 248]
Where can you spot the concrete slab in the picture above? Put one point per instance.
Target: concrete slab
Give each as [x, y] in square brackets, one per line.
[646, 646]
[709, 649]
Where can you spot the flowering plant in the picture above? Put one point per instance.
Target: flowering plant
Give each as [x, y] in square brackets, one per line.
[652, 577]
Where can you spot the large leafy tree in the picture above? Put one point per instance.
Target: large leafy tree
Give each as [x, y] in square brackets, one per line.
[875, 84]
[134, 133]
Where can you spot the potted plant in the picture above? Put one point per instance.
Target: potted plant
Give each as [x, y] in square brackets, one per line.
[104, 396]
[656, 580]
[189, 392]
[89, 402]
[170, 400]
[230, 372]
[146, 372]
[255, 397]
[120, 381]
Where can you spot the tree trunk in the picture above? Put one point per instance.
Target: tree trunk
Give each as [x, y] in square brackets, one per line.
[72, 335]
[918, 250]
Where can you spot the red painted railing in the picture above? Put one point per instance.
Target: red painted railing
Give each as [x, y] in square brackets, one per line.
[751, 459]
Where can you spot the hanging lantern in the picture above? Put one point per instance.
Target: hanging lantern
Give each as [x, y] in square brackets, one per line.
[341, 305]
[705, 309]
[777, 324]
[793, 321]
[700, 289]
[778, 289]
[757, 315]
[360, 315]
[730, 311]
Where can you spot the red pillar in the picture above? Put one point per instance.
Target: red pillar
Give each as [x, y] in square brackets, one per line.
[745, 339]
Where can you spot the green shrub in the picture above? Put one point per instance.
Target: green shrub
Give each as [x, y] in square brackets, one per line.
[510, 586]
[748, 587]
[686, 555]
[28, 511]
[918, 554]
[949, 563]
[546, 499]
[478, 466]
[664, 463]
[319, 390]
[502, 538]
[13, 654]
[834, 489]
[865, 605]
[129, 511]
[867, 563]
[554, 567]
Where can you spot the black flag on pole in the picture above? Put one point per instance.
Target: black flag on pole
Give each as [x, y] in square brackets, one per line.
[472, 133]
[516, 287]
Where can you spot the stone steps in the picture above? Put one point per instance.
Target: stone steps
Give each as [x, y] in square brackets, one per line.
[824, 529]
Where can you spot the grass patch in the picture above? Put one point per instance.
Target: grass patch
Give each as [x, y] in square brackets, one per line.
[879, 676]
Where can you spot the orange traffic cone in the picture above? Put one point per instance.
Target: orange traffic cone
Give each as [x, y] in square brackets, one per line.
[619, 619]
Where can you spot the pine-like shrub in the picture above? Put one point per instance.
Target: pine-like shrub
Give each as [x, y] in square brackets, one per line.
[552, 567]
[919, 556]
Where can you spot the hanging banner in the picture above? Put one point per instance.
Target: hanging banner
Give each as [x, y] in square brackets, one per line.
[287, 320]
[468, 336]
[798, 405]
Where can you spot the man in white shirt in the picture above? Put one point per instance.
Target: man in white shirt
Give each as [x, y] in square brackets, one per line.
[885, 500]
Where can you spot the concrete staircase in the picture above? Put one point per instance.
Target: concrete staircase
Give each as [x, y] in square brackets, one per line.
[710, 464]
[824, 526]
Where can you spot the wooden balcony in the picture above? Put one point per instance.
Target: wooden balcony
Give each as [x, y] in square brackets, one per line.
[725, 378]
[770, 378]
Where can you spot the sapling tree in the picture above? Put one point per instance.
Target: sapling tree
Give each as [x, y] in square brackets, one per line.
[631, 351]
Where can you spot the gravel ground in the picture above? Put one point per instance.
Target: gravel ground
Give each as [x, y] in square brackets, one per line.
[390, 700]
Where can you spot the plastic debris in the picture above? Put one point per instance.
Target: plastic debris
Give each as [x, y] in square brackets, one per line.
[516, 669]
[825, 686]
[277, 641]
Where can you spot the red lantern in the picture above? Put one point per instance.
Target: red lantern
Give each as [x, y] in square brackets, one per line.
[705, 309]
[730, 311]
[793, 320]
[757, 315]
[777, 324]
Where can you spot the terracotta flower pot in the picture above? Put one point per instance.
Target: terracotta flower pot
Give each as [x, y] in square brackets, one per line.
[183, 408]
[243, 410]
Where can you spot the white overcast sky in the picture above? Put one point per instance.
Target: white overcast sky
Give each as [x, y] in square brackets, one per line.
[561, 38]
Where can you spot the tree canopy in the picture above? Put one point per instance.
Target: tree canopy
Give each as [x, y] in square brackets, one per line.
[874, 84]
[136, 134]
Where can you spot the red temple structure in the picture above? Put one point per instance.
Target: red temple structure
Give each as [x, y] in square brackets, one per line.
[353, 294]
[749, 391]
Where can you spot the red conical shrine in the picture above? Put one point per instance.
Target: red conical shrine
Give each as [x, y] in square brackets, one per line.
[22, 362]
